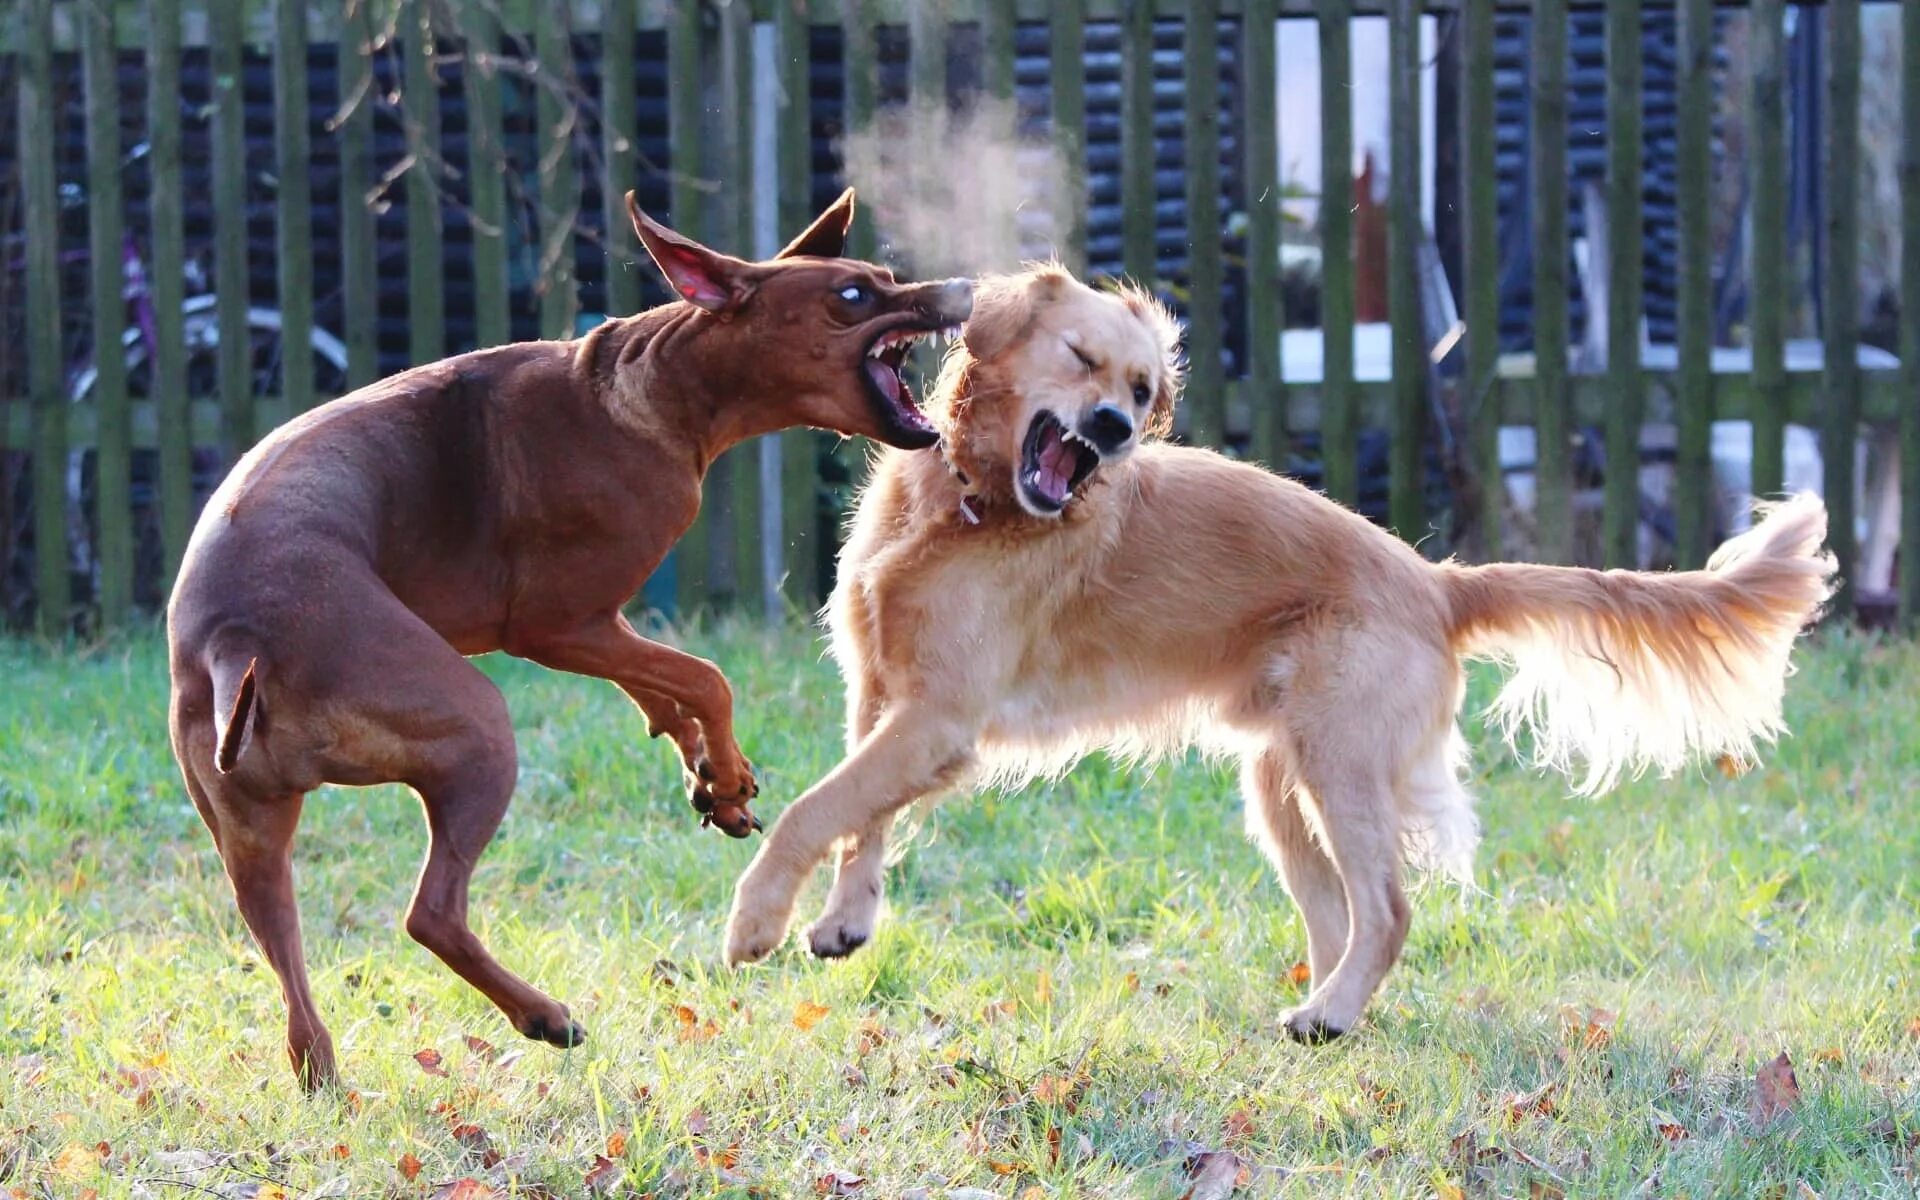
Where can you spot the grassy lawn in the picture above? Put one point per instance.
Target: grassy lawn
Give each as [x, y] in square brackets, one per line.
[1076, 990]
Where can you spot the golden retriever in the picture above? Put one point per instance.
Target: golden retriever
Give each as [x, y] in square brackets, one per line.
[1053, 582]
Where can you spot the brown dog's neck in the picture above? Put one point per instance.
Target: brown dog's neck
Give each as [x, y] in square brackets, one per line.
[656, 373]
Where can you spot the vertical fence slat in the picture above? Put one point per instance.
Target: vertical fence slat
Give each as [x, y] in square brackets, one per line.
[360, 308]
[618, 119]
[1767, 291]
[426, 257]
[1406, 500]
[1479, 202]
[487, 171]
[1137, 141]
[1339, 418]
[168, 377]
[998, 20]
[1693, 466]
[1262, 150]
[226, 21]
[1553, 431]
[927, 55]
[1067, 25]
[559, 174]
[1909, 582]
[861, 86]
[685, 100]
[1626, 388]
[735, 555]
[798, 550]
[293, 215]
[1206, 400]
[113, 455]
[1840, 294]
[44, 366]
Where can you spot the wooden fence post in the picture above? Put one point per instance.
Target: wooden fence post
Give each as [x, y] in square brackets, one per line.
[487, 167]
[1479, 202]
[293, 209]
[426, 311]
[113, 452]
[1067, 66]
[1626, 403]
[1410, 418]
[618, 146]
[360, 307]
[1909, 582]
[1841, 295]
[45, 368]
[798, 548]
[226, 22]
[168, 374]
[1265, 323]
[1552, 417]
[1767, 289]
[1339, 415]
[1137, 143]
[1693, 405]
[559, 113]
[1206, 397]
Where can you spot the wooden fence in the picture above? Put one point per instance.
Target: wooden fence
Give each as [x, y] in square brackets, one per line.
[1261, 409]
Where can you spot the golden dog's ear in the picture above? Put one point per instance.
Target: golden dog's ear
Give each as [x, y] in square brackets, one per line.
[1166, 333]
[1004, 308]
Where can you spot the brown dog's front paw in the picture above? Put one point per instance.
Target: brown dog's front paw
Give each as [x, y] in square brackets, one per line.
[561, 1030]
[721, 796]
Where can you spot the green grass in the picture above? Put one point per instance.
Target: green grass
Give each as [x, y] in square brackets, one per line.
[1114, 930]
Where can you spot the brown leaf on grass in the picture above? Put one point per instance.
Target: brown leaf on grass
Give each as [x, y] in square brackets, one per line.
[1829, 1056]
[475, 1142]
[617, 1144]
[1669, 1128]
[1043, 989]
[429, 1060]
[1131, 983]
[1775, 1091]
[724, 1159]
[463, 1189]
[1447, 1189]
[482, 1047]
[77, 1161]
[342, 1150]
[871, 1037]
[1053, 1089]
[1216, 1174]
[1913, 1028]
[1300, 975]
[807, 1014]
[839, 1183]
[603, 1174]
[136, 1084]
[999, 1010]
[409, 1167]
[697, 1122]
[1540, 1102]
[1542, 1189]
[1238, 1126]
[30, 1069]
[1591, 1028]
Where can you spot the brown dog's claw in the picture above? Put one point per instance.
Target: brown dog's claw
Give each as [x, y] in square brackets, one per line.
[732, 819]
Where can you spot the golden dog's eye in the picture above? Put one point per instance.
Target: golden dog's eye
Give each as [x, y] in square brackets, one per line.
[853, 293]
[1142, 393]
[1084, 360]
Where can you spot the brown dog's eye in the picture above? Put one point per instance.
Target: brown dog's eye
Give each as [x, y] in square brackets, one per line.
[1142, 393]
[853, 293]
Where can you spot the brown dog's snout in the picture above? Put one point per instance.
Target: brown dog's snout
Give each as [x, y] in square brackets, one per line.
[949, 301]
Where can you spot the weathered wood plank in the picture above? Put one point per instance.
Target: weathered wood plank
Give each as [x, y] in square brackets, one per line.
[1262, 149]
[1621, 515]
[927, 56]
[487, 169]
[46, 393]
[230, 225]
[997, 20]
[619, 117]
[1479, 203]
[1767, 289]
[1840, 298]
[686, 97]
[1068, 71]
[734, 566]
[1406, 501]
[559, 116]
[359, 284]
[796, 549]
[113, 456]
[1553, 498]
[1909, 581]
[1340, 432]
[293, 202]
[1693, 467]
[861, 87]
[426, 251]
[167, 283]
[1205, 401]
[1137, 149]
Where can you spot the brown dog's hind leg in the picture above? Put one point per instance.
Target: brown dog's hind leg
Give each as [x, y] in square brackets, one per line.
[465, 787]
[1275, 819]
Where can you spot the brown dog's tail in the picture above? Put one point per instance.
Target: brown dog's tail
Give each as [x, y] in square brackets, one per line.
[236, 707]
[1622, 670]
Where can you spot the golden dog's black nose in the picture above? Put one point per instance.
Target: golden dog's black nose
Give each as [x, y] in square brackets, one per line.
[1108, 428]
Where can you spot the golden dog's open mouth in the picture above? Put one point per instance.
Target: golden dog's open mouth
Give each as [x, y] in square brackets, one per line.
[885, 369]
[1054, 461]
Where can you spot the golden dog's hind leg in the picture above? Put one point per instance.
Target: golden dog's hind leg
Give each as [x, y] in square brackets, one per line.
[1359, 821]
[1276, 822]
[853, 906]
[911, 752]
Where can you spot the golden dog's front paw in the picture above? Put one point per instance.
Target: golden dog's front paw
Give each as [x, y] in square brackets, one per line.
[753, 932]
[834, 936]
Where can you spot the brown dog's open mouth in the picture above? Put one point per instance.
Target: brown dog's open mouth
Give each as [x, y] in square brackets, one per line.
[885, 369]
[1053, 462]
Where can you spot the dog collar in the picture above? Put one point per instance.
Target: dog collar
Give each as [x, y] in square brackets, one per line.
[970, 502]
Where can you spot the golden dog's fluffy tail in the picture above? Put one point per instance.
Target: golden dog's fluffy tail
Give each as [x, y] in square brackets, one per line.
[1618, 671]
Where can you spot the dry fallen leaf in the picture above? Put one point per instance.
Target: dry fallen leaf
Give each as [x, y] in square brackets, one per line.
[1775, 1091]
[409, 1167]
[807, 1014]
[1537, 1103]
[1541, 1189]
[839, 1183]
[1238, 1126]
[1300, 975]
[482, 1047]
[617, 1144]
[1043, 989]
[76, 1161]
[1215, 1175]
[463, 1189]
[1447, 1189]
[429, 1060]
[603, 1174]
[1052, 1089]
[718, 1160]
[1591, 1028]
[1034, 1192]
[697, 1122]
[998, 1010]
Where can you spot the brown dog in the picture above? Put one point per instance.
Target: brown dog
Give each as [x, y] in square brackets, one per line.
[1055, 586]
[508, 499]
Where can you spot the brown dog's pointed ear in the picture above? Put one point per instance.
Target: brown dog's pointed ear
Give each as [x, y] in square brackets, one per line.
[704, 278]
[827, 236]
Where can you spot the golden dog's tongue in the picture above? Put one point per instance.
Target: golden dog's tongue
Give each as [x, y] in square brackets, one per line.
[1056, 462]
